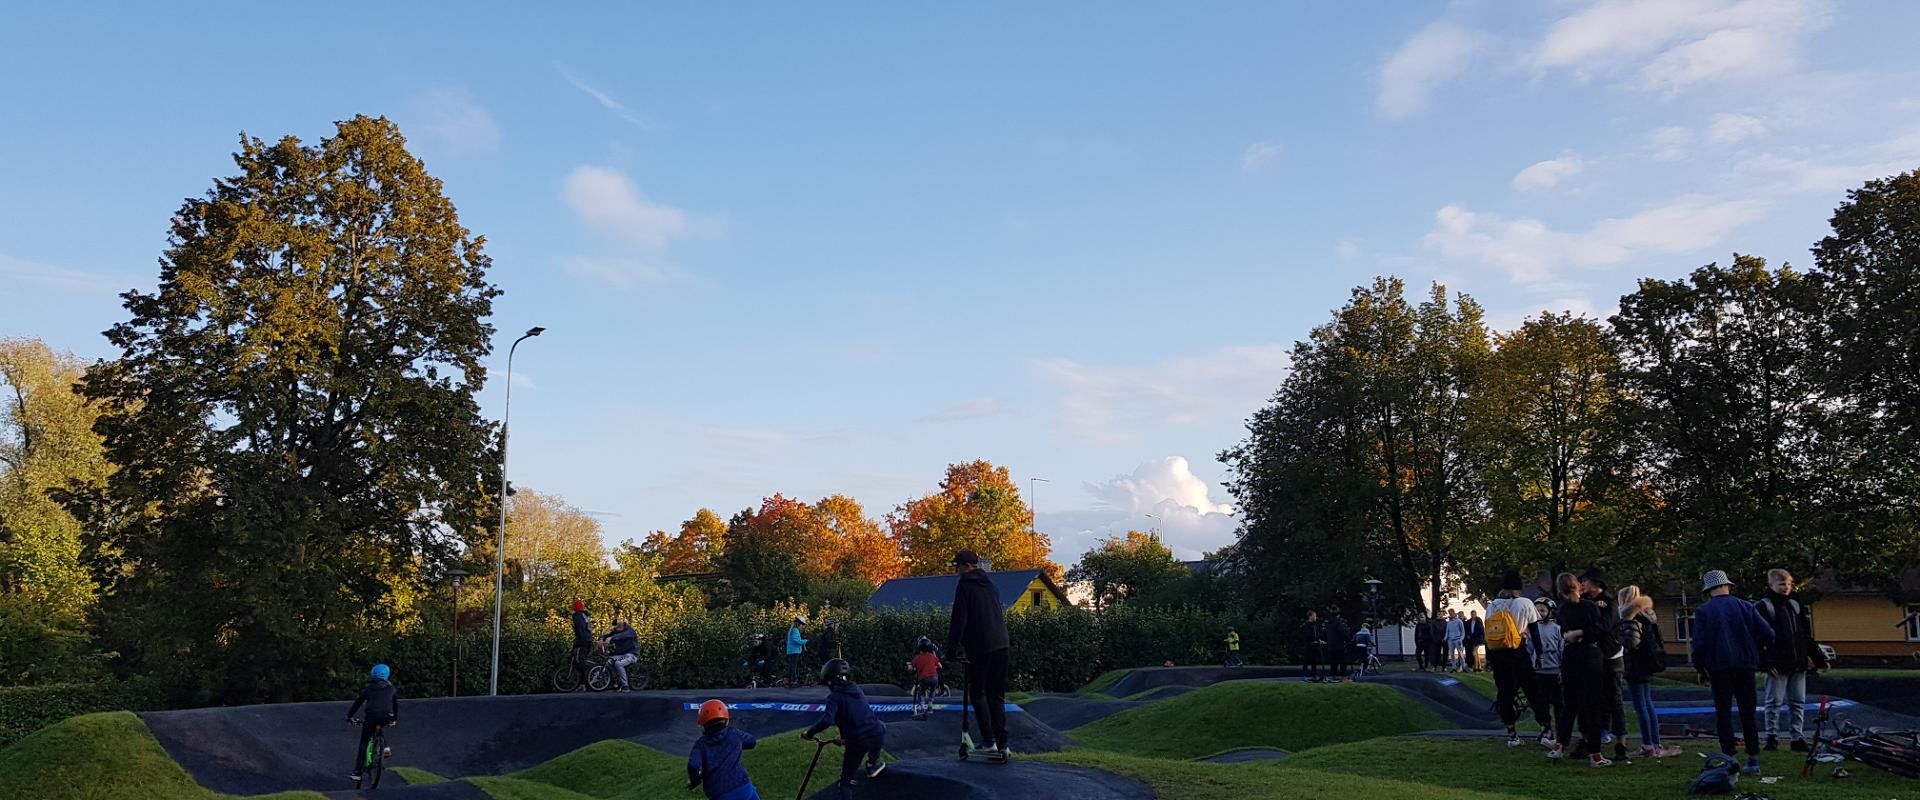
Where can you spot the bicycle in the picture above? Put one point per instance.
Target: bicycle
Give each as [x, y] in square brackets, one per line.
[600, 677]
[373, 760]
[567, 679]
[1895, 751]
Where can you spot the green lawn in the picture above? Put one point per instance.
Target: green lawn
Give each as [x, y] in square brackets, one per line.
[1488, 765]
[108, 756]
[416, 777]
[1285, 714]
[1196, 780]
[1098, 686]
[617, 769]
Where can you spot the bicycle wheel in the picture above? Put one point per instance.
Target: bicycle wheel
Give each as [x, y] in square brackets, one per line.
[599, 678]
[379, 766]
[565, 679]
[636, 678]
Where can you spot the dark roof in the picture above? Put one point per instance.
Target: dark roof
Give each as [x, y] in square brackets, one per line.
[937, 590]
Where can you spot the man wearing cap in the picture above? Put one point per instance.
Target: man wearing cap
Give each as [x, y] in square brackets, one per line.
[1728, 634]
[977, 633]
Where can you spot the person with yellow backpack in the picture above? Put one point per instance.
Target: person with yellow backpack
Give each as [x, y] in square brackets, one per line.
[1509, 617]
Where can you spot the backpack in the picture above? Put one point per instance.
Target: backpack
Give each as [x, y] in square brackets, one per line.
[1719, 776]
[1503, 631]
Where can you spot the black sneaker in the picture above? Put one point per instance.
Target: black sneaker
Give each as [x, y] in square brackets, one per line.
[1773, 743]
[874, 769]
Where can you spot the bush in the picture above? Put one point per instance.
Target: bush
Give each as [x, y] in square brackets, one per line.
[25, 709]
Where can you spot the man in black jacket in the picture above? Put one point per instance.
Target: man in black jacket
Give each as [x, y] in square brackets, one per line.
[1787, 659]
[977, 633]
[582, 644]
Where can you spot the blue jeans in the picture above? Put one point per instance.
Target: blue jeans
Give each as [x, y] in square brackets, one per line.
[1642, 696]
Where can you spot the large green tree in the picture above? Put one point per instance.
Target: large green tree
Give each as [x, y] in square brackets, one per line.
[1751, 456]
[1126, 567]
[293, 416]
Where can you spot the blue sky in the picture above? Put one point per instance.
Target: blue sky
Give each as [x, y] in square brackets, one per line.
[813, 250]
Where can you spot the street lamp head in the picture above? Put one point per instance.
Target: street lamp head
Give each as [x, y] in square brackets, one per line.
[1373, 585]
[536, 331]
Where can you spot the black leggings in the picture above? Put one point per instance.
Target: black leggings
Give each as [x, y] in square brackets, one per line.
[851, 759]
[1584, 676]
[1730, 686]
[1551, 700]
[987, 691]
[1513, 677]
[370, 726]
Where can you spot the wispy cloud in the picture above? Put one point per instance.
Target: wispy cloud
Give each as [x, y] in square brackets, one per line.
[17, 271]
[1258, 154]
[1533, 253]
[607, 199]
[1437, 55]
[605, 100]
[1732, 128]
[455, 121]
[626, 273]
[1548, 174]
[1670, 143]
[970, 410]
[1108, 403]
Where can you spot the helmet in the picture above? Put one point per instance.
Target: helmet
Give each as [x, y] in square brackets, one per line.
[381, 671]
[925, 644]
[758, 636]
[711, 711]
[579, 606]
[832, 622]
[835, 668]
[799, 619]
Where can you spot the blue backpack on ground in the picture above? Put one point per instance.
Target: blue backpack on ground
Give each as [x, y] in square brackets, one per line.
[1719, 776]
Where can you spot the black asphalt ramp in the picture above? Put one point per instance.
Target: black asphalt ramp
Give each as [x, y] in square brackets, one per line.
[952, 779]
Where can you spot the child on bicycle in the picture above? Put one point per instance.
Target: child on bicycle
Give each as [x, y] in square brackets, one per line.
[861, 731]
[715, 763]
[926, 670]
[761, 659]
[382, 702]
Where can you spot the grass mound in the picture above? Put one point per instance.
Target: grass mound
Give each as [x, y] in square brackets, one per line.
[416, 777]
[1098, 686]
[107, 756]
[617, 769]
[1196, 780]
[1488, 765]
[1290, 716]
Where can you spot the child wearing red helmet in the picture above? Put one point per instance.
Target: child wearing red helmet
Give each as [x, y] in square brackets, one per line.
[715, 761]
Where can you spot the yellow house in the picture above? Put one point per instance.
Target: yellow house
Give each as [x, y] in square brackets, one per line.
[1859, 624]
[1019, 589]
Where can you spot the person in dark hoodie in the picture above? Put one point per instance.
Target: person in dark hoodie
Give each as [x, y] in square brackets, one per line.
[1339, 645]
[715, 763]
[625, 644]
[1794, 651]
[1728, 635]
[1310, 645]
[862, 733]
[829, 641]
[977, 634]
[382, 703]
[582, 643]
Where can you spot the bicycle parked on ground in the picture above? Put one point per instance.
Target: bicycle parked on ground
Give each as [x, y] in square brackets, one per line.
[1895, 751]
[373, 761]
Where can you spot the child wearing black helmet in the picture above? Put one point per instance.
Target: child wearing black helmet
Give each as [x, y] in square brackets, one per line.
[862, 732]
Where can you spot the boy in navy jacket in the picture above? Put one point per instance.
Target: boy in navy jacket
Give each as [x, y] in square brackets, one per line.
[715, 761]
[862, 732]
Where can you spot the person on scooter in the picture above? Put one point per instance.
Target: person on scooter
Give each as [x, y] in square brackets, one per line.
[761, 659]
[977, 634]
[862, 733]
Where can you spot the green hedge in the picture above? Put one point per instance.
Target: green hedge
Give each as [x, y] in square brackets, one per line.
[25, 709]
[700, 648]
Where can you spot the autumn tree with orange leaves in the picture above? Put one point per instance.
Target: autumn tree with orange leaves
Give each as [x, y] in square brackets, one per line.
[978, 506]
[696, 548]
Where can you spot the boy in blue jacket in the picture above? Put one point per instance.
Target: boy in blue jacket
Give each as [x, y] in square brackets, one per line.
[715, 760]
[862, 732]
[796, 644]
[1728, 635]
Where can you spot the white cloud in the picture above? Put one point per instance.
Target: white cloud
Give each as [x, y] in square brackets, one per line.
[1732, 128]
[608, 200]
[1531, 252]
[1548, 174]
[1180, 503]
[969, 410]
[1674, 44]
[1347, 250]
[16, 271]
[1670, 143]
[1258, 154]
[605, 100]
[626, 272]
[453, 120]
[1106, 403]
[1438, 54]
[1835, 173]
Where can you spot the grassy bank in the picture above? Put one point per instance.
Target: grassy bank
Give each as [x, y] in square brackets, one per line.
[106, 756]
[1285, 714]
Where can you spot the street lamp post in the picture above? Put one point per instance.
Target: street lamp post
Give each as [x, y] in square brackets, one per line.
[1157, 521]
[500, 541]
[1373, 608]
[457, 575]
[1033, 494]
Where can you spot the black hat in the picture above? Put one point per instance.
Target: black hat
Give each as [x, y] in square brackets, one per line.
[1510, 581]
[835, 668]
[967, 557]
[1594, 576]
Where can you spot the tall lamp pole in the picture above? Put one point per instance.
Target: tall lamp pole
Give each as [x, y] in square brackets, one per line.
[1033, 494]
[500, 541]
[457, 575]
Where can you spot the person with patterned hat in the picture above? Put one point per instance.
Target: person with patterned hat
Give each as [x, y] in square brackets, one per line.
[1728, 635]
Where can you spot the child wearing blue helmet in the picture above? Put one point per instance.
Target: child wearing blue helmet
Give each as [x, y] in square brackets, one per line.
[383, 708]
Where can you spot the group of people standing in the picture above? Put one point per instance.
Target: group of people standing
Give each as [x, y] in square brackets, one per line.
[1342, 648]
[1450, 643]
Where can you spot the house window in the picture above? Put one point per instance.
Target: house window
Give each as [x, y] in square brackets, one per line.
[1683, 625]
[1912, 623]
[1036, 600]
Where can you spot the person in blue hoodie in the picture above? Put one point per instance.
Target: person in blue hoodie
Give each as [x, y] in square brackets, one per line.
[382, 703]
[861, 732]
[715, 762]
[796, 645]
[1728, 635]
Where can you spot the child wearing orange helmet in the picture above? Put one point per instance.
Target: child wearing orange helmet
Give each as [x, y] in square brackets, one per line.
[715, 761]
